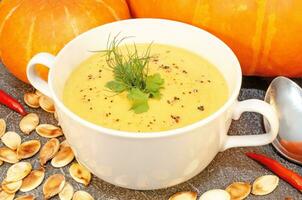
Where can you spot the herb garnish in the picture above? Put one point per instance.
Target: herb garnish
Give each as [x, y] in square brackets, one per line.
[131, 75]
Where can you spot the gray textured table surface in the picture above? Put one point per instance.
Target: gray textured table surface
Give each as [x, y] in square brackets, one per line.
[227, 167]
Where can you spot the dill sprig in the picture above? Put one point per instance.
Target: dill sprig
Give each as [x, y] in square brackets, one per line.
[131, 74]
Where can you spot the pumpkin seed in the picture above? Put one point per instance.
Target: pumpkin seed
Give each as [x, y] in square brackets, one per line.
[26, 197]
[47, 104]
[8, 155]
[67, 192]
[49, 131]
[2, 127]
[33, 180]
[82, 195]
[18, 171]
[28, 149]
[49, 150]
[80, 174]
[6, 196]
[265, 184]
[11, 139]
[55, 114]
[31, 99]
[11, 187]
[53, 185]
[37, 92]
[63, 157]
[29, 123]
[239, 190]
[184, 196]
[64, 143]
[215, 194]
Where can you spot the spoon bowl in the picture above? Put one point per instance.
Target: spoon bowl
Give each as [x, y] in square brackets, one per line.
[286, 98]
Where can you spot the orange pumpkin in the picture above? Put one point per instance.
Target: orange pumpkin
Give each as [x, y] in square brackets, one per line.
[31, 26]
[266, 35]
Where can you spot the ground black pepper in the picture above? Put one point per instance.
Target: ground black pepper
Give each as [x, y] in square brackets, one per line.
[201, 108]
[176, 118]
[176, 98]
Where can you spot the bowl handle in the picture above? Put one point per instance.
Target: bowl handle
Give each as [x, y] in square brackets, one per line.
[45, 59]
[253, 105]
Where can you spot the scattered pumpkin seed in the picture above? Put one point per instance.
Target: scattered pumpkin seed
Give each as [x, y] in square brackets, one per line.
[11, 187]
[239, 190]
[49, 131]
[29, 123]
[6, 196]
[46, 104]
[33, 180]
[265, 184]
[184, 196]
[2, 127]
[26, 197]
[49, 150]
[82, 195]
[64, 143]
[53, 185]
[215, 195]
[80, 174]
[11, 139]
[63, 157]
[37, 92]
[8, 155]
[55, 114]
[28, 149]
[18, 171]
[31, 99]
[67, 192]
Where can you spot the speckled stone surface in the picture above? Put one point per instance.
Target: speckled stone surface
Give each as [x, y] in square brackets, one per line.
[227, 167]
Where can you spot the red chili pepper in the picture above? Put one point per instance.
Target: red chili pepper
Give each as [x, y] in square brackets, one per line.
[11, 102]
[288, 175]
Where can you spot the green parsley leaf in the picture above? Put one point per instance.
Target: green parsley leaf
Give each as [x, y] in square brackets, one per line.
[155, 95]
[140, 107]
[139, 99]
[154, 82]
[136, 94]
[116, 86]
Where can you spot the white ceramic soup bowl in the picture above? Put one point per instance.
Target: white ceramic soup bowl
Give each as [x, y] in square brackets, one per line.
[159, 159]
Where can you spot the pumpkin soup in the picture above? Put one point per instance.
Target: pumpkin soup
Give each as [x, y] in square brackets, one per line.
[159, 87]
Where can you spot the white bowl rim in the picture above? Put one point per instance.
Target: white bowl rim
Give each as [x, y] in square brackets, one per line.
[149, 135]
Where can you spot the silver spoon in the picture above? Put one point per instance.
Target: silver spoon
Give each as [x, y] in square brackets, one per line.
[286, 98]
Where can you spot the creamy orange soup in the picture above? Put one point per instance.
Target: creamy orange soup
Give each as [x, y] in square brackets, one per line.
[193, 90]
